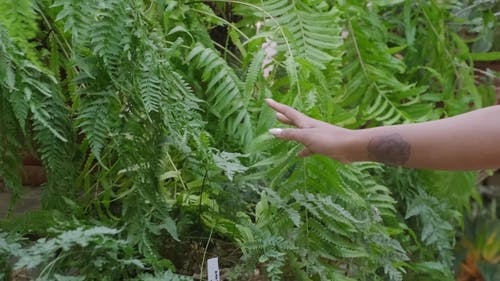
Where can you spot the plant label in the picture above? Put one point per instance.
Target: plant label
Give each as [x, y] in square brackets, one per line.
[213, 269]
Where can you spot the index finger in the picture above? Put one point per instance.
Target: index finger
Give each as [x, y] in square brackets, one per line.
[298, 119]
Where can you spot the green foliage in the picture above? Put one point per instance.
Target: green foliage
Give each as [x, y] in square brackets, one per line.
[94, 251]
[225, 99]
[20, 20]
[29, 91]
[36, 222]
[149, 119]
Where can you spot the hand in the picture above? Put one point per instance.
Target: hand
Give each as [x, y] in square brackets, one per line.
[317, 136]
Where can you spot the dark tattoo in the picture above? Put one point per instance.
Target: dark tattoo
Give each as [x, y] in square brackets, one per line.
[389, 149]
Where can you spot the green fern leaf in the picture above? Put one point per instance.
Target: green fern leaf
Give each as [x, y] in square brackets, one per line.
[225, 94]
[40, 97]
[74, 15]
[311, 34]
[109, 35]
[150, 85]
[94, 119]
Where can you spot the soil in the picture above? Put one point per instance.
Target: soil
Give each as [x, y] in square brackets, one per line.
[187, 257]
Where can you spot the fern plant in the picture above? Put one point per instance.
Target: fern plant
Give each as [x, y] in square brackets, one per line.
[149, 119]
[373, 92]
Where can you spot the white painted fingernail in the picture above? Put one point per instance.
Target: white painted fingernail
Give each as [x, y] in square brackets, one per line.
[275, 131]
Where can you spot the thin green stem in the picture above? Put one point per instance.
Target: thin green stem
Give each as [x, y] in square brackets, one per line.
[205, 251]
[306, 211]
[226, 51]
[67, 53]
[50, 265]
[175, 168]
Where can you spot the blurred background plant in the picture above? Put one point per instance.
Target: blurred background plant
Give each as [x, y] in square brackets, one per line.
[479, 247]
[477, 21]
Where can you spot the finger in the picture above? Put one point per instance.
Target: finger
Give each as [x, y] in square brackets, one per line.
[289, 134]
[283, 119]
[297, 118]
[305, 152]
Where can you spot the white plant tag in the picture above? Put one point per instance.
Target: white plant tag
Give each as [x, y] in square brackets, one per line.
[213, 269]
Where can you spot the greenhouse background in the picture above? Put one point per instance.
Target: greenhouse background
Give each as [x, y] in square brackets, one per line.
[134, 140]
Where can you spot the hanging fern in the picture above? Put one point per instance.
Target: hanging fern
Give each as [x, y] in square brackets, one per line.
[32, 94]
[109, 36]
[150, 85]
[94, 119]
[74, 15]
[225, 98]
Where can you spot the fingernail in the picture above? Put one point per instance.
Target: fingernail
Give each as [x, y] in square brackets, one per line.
[275, 131]
[269, 100]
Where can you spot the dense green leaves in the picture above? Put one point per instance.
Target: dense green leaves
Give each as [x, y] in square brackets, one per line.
[149, 118]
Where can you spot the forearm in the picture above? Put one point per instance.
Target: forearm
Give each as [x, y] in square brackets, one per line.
[465, 142]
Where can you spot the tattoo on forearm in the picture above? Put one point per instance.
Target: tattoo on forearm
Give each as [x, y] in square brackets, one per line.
[389, 149]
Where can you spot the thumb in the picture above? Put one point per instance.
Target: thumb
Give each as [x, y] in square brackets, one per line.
[288, 134]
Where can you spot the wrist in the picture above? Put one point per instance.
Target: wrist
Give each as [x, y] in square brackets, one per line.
[357, 145]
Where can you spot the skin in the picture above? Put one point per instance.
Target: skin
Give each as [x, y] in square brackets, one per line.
[470, 141]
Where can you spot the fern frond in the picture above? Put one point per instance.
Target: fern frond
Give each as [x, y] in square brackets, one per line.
[326, 208]
[331, 246]
[390, 254]
[150, 85]
[377, 195]
[253, 71]
[40, 98]
[311, 34]
[95, 119]
[328, 180]
[7, 71]
[74, 15]
[435, 218]
[225, 99]
[8, 79]
[32, 95]
[109, 36]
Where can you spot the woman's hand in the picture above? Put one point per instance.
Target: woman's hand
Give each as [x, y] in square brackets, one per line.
[317, 136]
[465, 142]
